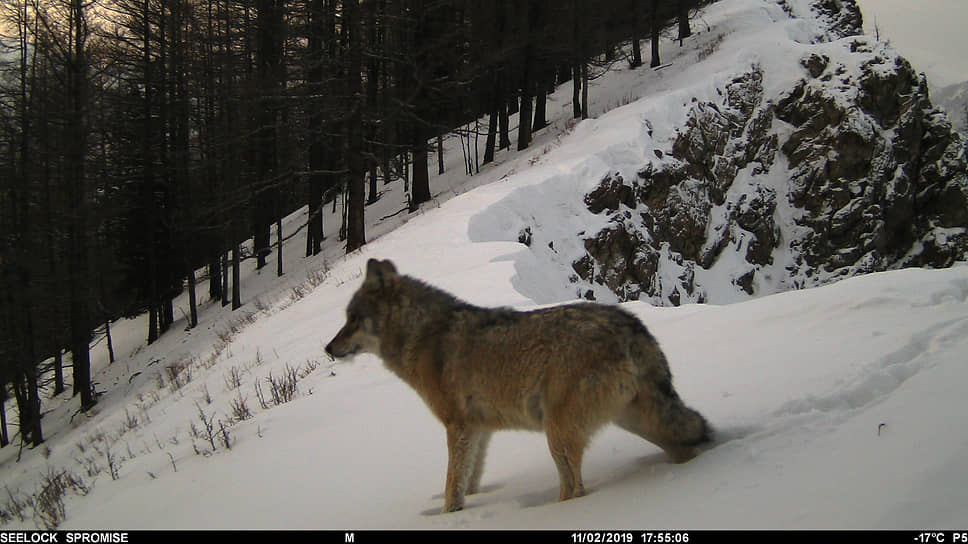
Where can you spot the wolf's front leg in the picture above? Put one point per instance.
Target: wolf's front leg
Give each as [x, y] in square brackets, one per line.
[459, 457]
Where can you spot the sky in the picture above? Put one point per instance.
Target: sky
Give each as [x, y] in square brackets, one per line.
[930, 33]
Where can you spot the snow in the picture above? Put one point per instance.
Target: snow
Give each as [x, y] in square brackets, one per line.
[837, 407]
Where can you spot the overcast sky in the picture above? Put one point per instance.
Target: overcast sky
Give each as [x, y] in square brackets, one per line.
[932, 34]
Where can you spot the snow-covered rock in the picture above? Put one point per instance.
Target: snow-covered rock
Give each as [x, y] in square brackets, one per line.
[845, 169]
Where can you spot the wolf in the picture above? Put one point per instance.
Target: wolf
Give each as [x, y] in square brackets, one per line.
[565, 370]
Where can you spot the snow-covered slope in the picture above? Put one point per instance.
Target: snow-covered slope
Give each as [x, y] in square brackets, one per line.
[835, 407]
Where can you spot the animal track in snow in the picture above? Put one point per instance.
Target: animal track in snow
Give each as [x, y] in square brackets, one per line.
[883, 376]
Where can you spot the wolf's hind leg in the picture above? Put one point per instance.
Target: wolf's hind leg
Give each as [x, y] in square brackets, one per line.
[567, 444]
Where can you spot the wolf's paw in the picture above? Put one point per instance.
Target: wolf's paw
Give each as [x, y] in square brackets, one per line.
[431, 512]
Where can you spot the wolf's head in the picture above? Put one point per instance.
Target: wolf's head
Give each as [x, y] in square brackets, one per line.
[365, 313]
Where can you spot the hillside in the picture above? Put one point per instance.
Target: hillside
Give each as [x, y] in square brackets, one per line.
[836, 407]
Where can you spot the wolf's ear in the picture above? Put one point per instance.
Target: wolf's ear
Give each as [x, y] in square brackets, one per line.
[389, 268]
[378, 273]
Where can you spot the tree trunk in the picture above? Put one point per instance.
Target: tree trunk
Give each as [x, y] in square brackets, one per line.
[576, 80]
[226, 287]
[420, 183]
[215, 278]
[563, 73]
[28, 404]
[504, 135]
[152, 326]
[540, 105]
[524, 122]
[527, 77]
[261, 207]
[684, 30]
[81, 358]
[374, 193]
[107, 334]
[636, 53]
[279, 271]
[80, 320]
[477, 147]
[372, 100]
[656, 27]
[192, 303]
[146, 188]
[168, 313]
[4, 438]
[270, 32]
[318, 182]
[314, 232]
[355, 233]
[440, 154]
[58, 372]
[491, 136]
[37, 435]
[236, 276]
[185, 223]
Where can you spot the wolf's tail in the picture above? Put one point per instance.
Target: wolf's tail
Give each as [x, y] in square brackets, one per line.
[658, 415]
[689, 427]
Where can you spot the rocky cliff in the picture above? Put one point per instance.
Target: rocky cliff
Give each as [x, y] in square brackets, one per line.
[849, 169]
